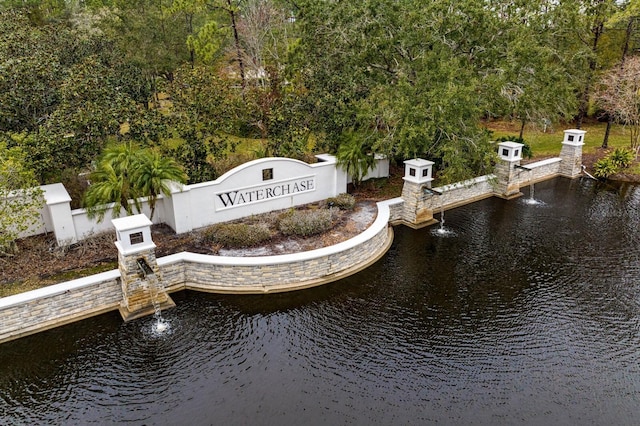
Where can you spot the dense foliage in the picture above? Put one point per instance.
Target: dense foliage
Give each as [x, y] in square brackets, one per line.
[20, 200]
[124, 174]
[402, 78]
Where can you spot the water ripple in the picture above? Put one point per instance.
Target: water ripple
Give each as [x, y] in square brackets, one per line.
[526, 315]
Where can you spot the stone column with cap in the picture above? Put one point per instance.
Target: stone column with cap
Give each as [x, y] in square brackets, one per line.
[571, 153]
[507, 185]
[142, 288]
[417, 210]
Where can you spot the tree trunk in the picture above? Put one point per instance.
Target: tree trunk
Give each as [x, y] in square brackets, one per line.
[605, 141]
[522, 124]
[236, 40]
[597, 30]
[625, 50]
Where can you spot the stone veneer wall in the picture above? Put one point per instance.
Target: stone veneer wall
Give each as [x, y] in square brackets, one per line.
[479, 188]
[539, 171]
[460, 193]
[60, 304]
[221, 274]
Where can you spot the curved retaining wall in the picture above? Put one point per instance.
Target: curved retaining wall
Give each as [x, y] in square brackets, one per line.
[279, 273]
[60, 304]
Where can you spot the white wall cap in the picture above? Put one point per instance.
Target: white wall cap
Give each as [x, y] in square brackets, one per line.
[131, 222]
[55, 193]
[542, 163]
[418, 162]
[53, 290]
[510, 151]
[510, 144]
[574, 137]
[576, 131]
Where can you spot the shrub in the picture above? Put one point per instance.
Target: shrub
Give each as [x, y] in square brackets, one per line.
[342, 201]
[305, 222]
[621, 157]
[605, 167]
[237, 235]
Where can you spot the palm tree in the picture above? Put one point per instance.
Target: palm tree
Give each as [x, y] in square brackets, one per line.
[107, 186]
[124, 174]
[152, 174]
[354, 157]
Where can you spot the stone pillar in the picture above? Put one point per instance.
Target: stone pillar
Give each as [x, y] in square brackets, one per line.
[507, 185]
[571, 153]
[142, 287]
[417, 210]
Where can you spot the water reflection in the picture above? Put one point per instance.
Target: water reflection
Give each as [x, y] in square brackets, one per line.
[528, 316]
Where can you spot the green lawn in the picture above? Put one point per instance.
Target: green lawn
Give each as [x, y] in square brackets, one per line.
[549, 142]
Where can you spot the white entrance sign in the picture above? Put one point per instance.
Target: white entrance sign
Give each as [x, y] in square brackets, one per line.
[258, 186]
[255, 187]
[257, 194]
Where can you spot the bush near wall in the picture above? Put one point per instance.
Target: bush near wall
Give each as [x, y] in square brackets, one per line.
[305, 222]
[236, 235]
[613, 163]
[342, 201]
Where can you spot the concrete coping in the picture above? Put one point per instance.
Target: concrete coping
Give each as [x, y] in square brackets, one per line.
[55, 289]
[55, 193]
[380, 223]
[464, 183]
[543, 163]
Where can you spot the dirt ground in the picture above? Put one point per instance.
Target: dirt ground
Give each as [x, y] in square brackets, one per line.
[41, 262]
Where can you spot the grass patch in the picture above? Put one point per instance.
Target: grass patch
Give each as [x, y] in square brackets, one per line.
[549, 143]
[16, 287]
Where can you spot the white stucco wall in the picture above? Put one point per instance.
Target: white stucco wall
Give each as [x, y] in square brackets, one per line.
[243, 189]
[243, 192]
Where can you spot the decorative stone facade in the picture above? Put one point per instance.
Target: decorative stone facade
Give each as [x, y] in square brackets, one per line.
[39, 310]
[128, 288]
[571, 153]
[60, 304]
[510, 154]
[143, 291]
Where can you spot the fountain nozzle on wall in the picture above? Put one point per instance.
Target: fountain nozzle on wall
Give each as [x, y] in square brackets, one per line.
[142, 290]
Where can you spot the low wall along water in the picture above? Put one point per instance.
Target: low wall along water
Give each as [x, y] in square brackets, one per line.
[59, 304]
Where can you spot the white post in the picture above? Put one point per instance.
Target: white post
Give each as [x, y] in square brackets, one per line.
[58, 203]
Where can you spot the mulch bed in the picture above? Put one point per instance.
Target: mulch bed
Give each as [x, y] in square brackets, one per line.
[40, 261]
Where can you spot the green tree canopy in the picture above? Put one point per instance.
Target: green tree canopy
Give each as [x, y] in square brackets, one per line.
[20, 198]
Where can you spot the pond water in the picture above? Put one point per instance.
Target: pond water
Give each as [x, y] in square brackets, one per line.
[527, 314]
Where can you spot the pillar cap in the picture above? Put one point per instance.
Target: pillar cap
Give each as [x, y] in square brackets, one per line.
[510, 151]
[574, 137]
[133, 234]
[418, 170]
